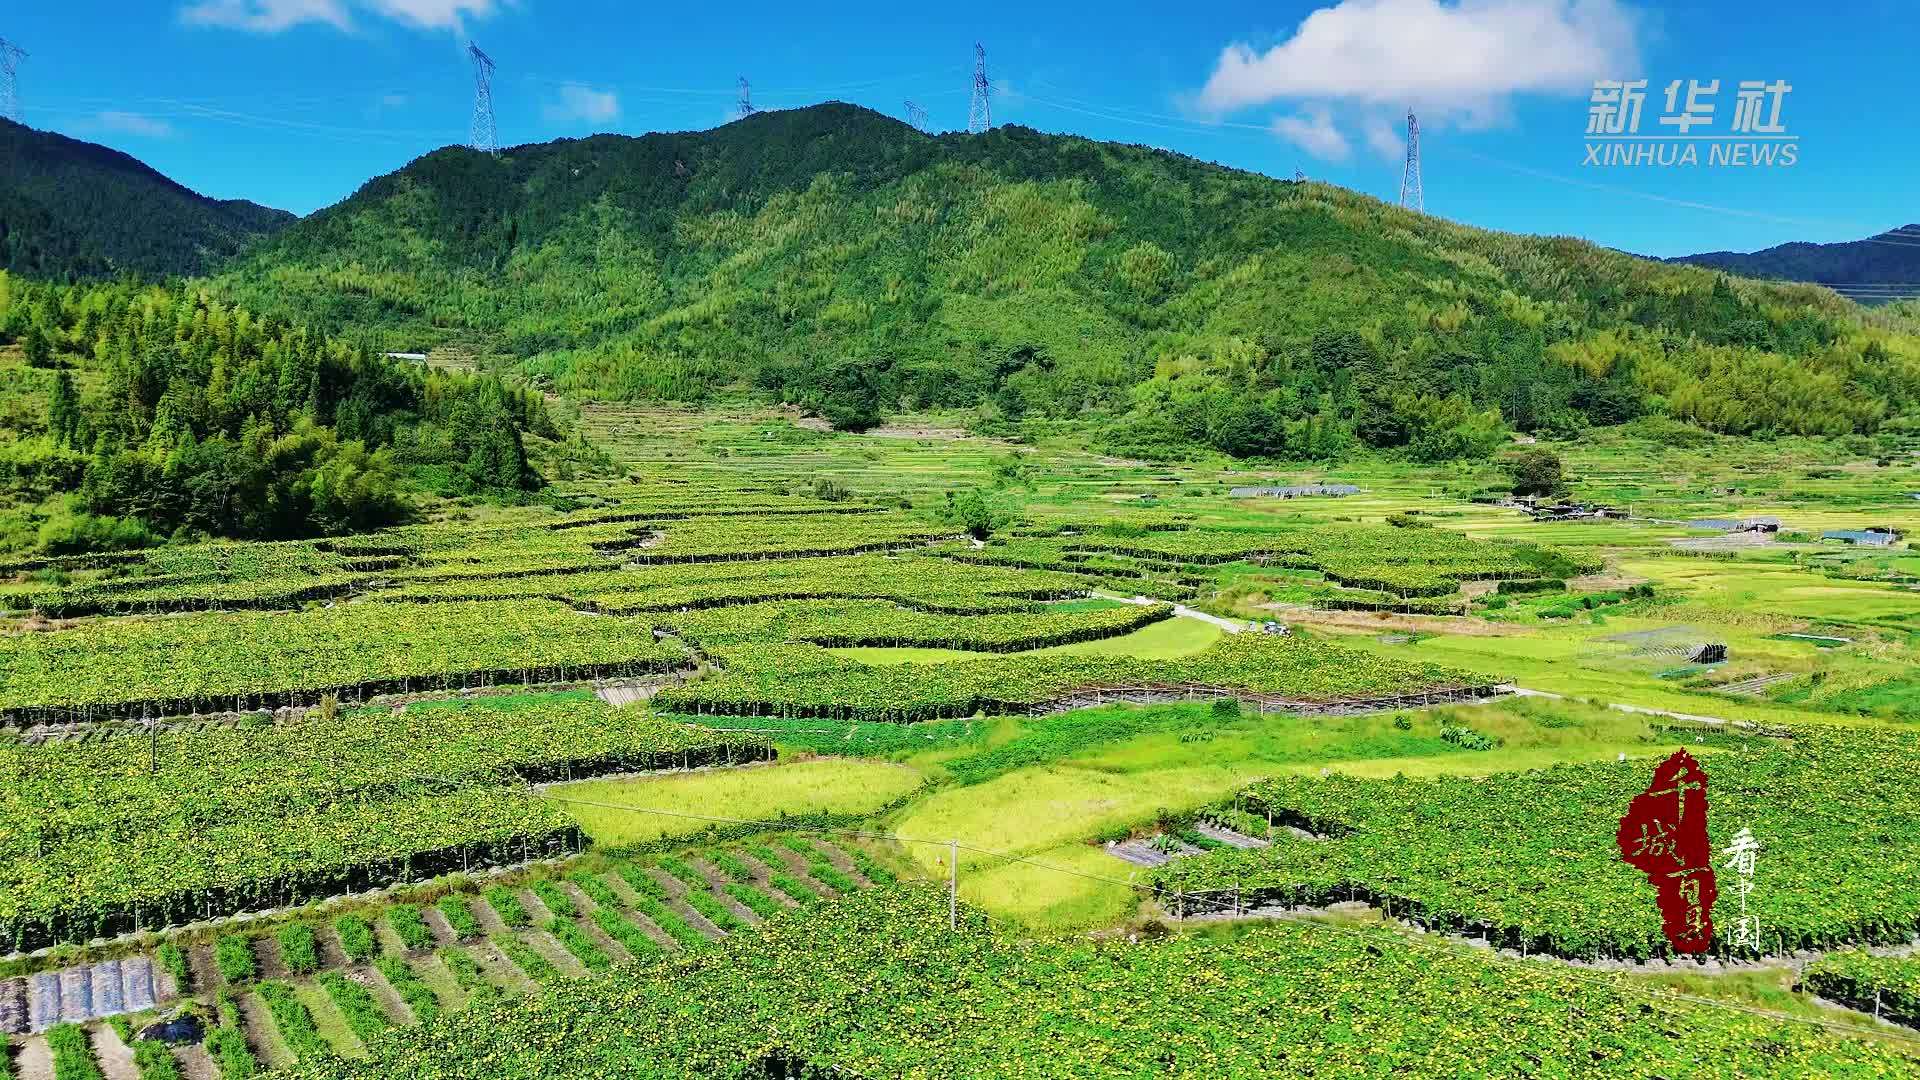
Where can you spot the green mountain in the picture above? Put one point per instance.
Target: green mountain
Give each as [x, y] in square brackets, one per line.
[1891, 258]
[72, 209]
[833, 256]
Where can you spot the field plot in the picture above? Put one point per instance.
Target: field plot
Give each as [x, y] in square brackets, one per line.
[869, 987]
[238, 661]
[801, 791]
[1526, 858]
[319, 988]
[109, 835]
[916, 582]
[795, 680]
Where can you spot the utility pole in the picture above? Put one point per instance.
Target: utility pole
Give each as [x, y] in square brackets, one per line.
[953, 885]
[916, 116]
[486, 136]
[980, 113]
[746, 98]
[10, 57]
[1411, 197]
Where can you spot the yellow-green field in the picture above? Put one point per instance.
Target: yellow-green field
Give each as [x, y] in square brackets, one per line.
[759, 793]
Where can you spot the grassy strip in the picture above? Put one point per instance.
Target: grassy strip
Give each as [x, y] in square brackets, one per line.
[356, 938]
[174, 961]
[295, 1022]
[154, 1060]
[227, 1043]
[653, 904]
[412, 989]
[715, 912]
[729, 864]
[508, 906]
[595, 887]
[298, 949]
[643, 883]
[536, 967]
[410, 927]
[233, 955]
[622, 930]
[365, 1017]
[825, 873]
[686, 875]
[791, 885]
[556, 899]
[72, 1053]
[470, 978]
[870, 867]
[579, 944]
[754, 900]
[459, 916]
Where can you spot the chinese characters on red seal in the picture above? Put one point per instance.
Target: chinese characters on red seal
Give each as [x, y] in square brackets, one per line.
[1664, 835]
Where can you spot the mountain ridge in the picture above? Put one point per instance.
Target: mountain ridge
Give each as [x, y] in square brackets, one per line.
[840, 258]
[1891, 257]
[76, 209]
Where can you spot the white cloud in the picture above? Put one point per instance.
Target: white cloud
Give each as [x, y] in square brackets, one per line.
[579, 102]
[433, 14]
[273, 16]
[393, 101]
[126, 123]
[1313, 130]
[1454, 60]
[1382, 137]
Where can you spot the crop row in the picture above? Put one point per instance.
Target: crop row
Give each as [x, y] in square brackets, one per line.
[798, 680]
[878, 986]
[1886, 986]
[845, 624]
[915, 581]
[220, 661]
[1529, 859]
[136, 832]
[719, 539]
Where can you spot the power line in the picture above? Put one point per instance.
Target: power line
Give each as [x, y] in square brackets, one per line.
[10, 57]
[485, 135]
[1411, 197]
[980, 108]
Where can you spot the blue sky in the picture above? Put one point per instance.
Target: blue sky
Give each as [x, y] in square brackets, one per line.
[295, 103]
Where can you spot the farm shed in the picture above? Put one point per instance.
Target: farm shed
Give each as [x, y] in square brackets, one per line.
[1874, 537]
[1679, 642]
[1758, 524]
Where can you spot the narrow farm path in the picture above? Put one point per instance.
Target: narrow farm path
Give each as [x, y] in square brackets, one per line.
[1231, 626]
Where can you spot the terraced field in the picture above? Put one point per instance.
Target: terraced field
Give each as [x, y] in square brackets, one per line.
[320, 986]
[351, 800]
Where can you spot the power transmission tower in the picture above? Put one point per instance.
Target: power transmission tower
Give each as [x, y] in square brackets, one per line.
[10, 57]
[916, 116]
[1411, 197]
[486, 137]
[746, 98]
[980, 115]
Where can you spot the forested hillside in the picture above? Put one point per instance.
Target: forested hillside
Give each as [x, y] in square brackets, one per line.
[1891, 258]
[72, 209]
[834, 256]
[130, 414]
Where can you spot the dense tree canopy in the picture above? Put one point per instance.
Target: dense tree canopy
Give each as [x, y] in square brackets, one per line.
[72, 209]
[151, 411]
